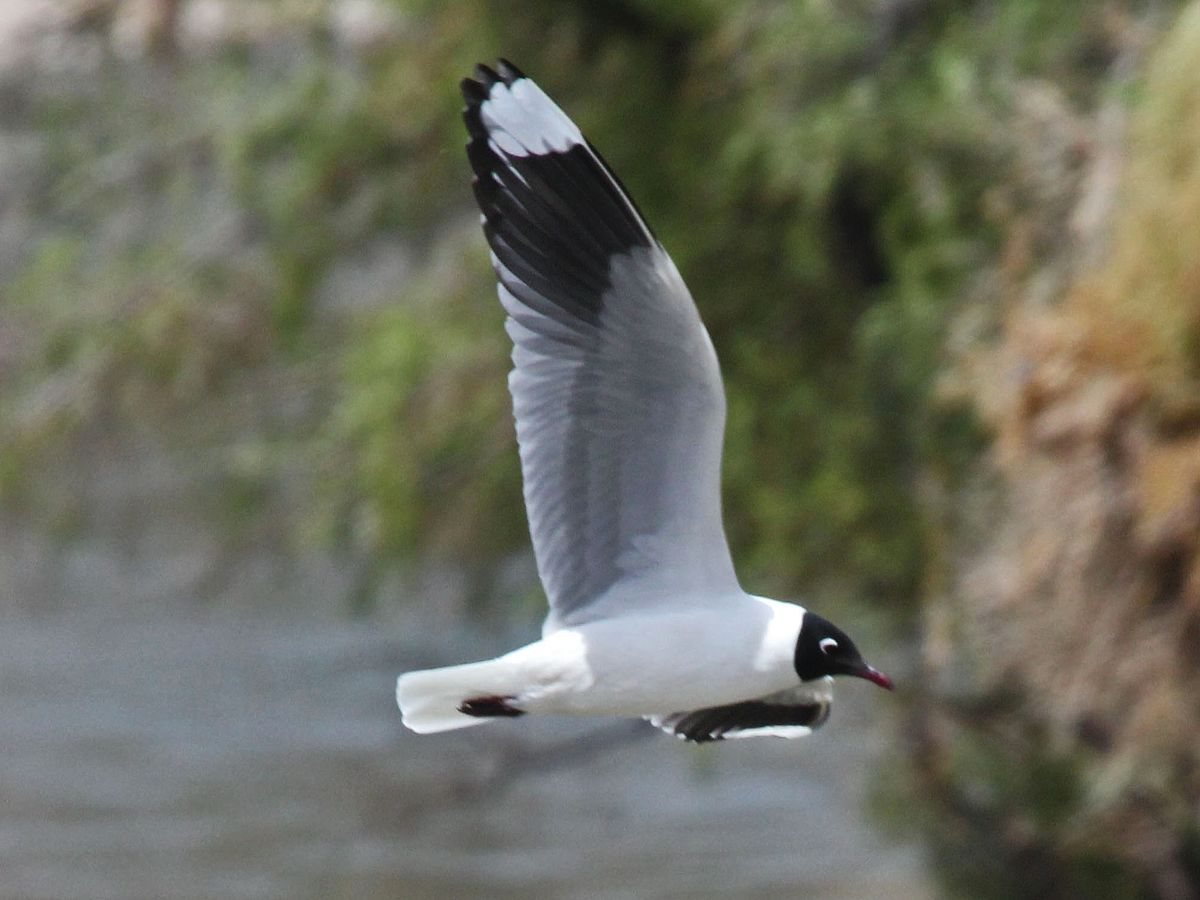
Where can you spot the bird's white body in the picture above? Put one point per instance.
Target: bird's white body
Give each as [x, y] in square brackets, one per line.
[620, 415]
[644, 665]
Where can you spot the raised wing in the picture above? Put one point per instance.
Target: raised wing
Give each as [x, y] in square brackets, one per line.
[617, 395]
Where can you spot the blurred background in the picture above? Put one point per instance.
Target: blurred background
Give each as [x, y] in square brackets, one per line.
[256, 454]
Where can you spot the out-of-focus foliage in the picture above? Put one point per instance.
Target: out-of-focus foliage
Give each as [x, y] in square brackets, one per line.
[428, 433]
[248, 239]
[817, 170]
[1143, 305]
[1056, 739]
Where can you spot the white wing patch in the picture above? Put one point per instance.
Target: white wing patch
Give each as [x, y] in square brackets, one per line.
[521, 119]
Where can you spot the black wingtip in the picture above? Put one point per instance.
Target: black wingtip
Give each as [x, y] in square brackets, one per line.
[508, 71]
[486, 75]
[476, 88]
[472, 91]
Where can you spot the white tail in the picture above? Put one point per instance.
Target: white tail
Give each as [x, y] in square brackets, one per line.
[429, 699]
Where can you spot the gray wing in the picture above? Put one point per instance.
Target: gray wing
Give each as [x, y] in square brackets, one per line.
[793, 713]
[617, 395]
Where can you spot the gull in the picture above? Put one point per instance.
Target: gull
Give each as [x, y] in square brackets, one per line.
[620, 415]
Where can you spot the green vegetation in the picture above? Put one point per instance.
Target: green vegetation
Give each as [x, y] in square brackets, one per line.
[264, 254]
[1143, 303]
[817, 170]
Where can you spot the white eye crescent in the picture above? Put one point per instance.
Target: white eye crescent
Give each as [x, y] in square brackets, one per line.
[827, 645]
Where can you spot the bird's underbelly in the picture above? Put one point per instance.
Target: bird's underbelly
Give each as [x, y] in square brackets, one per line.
[661, 692]
[657, 665]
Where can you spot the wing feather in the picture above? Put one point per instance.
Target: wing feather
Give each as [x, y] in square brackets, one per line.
[616, 390]
[793, 713]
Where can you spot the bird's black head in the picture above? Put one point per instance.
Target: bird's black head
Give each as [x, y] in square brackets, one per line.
[824, 649]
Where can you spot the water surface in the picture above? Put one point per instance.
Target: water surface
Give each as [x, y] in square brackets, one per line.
[172, 750]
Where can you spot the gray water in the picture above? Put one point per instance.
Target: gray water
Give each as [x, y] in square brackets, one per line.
[172, 749]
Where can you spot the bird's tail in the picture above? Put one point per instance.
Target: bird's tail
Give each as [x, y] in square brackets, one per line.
[431, 700]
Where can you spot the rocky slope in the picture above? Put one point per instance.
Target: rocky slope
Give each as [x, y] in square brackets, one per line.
[1061, 737]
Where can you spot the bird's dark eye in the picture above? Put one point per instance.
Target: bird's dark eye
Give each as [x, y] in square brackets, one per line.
[828, 645]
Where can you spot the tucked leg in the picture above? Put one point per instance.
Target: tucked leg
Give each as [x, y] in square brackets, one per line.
[487, 707]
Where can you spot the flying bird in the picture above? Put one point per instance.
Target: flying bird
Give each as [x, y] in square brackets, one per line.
[620, 414]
